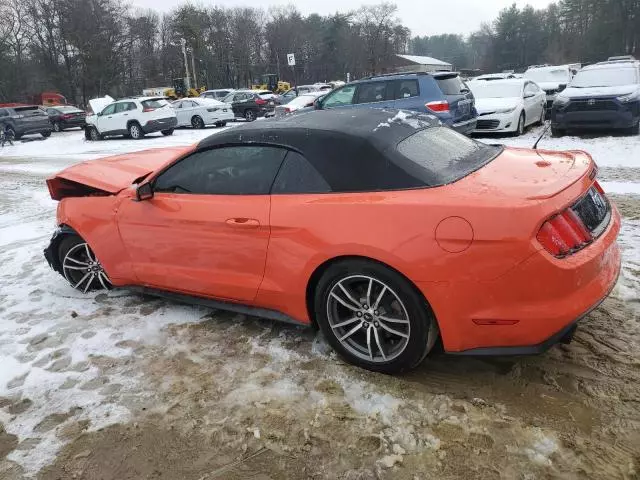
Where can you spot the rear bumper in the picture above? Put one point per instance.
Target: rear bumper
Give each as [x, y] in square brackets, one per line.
[466, 127]
[220, 116]
[79, 122]
[160, 124]
[532, 306]
[36, 127]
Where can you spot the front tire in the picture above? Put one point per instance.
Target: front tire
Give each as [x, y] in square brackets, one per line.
[166, 133]
[373, 317]
[250, 115]
[12, 134]
[56, 127]
[45, 134]
[80, 267]
[197, 122]
[135, 131]
[520, 128]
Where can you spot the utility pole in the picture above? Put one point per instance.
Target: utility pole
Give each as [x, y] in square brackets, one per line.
[186, 63]
[193, 69]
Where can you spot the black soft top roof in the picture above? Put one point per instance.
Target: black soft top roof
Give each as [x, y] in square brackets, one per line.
[379, 128]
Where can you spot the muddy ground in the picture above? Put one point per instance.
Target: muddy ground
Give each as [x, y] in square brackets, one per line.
[214, 395]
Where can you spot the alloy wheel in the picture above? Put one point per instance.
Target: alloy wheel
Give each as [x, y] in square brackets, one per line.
[197, 122]
[521, 125]
[56, 127]
[82, 269]
[134, 131]
[368, 318]
[95, 136]
[249, 115]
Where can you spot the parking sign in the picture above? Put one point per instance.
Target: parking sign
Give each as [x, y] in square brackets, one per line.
[291, 59]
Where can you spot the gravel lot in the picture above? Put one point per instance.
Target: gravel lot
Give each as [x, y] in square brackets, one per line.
[117, 386]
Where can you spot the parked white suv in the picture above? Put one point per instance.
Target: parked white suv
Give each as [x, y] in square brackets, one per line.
[132, 117]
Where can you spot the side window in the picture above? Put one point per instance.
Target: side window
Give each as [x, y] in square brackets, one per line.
[407, 89]
[242, 170]
[131, 106]
[343, 96]
[530, 89]
[297, 175]
[109, 110]
[178, 105]
[121, 107]
[50, 111]
[373, 92]
[239, 97]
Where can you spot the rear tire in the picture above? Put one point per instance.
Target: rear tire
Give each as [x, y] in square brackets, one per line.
[135, 131]
[12, 133]
[45, 134]
[166, 133]
[250, 115]
[79, 265]
[197, 122]
[392, 334]
[57, 127]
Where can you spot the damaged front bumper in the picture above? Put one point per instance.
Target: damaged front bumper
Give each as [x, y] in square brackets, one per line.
[51, 252]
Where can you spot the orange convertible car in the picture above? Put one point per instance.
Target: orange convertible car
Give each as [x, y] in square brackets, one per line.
[383, 228]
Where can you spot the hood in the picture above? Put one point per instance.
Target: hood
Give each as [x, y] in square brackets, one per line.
[113, 174]
[573, 92]
[520, 173]
[552, 85]
[491, 105]
[98, 104]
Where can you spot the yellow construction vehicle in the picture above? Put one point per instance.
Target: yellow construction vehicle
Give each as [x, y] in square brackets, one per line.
[179, 90]
[270, 81]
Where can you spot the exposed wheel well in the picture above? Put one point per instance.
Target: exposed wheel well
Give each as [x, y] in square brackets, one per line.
[65, 231]
[319, 271]
[131, 122]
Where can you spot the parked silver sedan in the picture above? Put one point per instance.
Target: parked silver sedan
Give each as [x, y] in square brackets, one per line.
[199, 112]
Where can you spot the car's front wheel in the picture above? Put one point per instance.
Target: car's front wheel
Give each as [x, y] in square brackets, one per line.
[557, 132]
[11, 133]
[166, 133]
[80, 266]
[197, 122]
[91, 133]
[135, 131]
[45, 134]
[56, 127]
[520, 128]
[374, 317]
[250, 115]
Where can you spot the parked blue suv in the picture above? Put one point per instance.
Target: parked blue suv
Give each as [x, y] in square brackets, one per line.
[601, 96]
[442, 94]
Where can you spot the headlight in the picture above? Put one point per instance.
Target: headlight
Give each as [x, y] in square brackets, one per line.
[506, 110]
[560, 100]
[629, 98]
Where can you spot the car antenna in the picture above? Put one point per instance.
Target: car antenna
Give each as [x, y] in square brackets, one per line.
[546, 129]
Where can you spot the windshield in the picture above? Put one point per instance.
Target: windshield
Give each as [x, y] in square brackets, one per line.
[444, 156]
[302, 101]
[606, 77]
[495, 89]
[451, 85]
[555, 75]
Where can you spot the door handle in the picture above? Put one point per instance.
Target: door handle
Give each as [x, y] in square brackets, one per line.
[243, 223]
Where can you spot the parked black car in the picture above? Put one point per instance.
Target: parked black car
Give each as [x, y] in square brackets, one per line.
[601, 96]
[25, 120]
[66, 116]
[250, 105]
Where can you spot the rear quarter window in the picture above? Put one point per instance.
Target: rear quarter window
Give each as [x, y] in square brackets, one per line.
[440, 156]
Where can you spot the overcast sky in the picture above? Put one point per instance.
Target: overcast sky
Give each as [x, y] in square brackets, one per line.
[423, 17]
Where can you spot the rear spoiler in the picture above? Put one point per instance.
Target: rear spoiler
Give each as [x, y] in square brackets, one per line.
[445, 75]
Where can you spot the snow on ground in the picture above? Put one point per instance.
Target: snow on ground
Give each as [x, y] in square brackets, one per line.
[72, 363]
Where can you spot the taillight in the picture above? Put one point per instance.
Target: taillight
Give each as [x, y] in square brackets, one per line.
[438, 106]
[564, 234]
[148, 109]
[66, 116]
[598, 187]
[287, 110]
[260, 101]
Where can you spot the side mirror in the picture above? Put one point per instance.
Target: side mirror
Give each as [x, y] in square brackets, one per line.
[99, 114]
[562, 86]
[317, 104]
[144, 192]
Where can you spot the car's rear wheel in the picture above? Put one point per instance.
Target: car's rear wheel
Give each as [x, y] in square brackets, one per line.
[166, 133]
[56, 127]
[45, 134]
[80, 266]
[135, 131]
[221, 124]
[197, 122]
[373, 317]
[250, 115]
